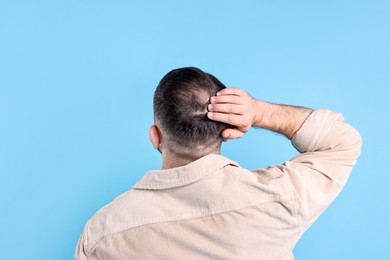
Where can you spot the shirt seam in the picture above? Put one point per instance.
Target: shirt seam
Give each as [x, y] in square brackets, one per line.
[178, 217]
[182, 182]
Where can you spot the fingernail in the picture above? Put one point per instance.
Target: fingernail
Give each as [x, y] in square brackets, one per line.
[210, 107]
[209, 114]
[212, 99]
[218, 94]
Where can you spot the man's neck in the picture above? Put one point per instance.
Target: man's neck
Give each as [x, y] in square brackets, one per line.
[171, 161]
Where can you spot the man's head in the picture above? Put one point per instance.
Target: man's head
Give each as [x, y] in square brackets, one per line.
[180, 108]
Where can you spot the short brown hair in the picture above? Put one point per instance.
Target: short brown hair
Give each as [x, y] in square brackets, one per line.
[180, 111]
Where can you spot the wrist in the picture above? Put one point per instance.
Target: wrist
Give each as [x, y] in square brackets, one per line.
[263, 111]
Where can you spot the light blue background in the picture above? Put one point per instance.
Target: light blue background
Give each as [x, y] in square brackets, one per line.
[76, 86]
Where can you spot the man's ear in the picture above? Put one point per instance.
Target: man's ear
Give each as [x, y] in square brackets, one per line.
[154, 137]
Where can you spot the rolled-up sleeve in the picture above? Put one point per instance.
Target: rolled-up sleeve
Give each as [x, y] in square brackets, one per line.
[329, 149]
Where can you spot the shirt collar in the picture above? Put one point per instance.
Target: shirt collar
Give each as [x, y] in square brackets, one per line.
[180, 176]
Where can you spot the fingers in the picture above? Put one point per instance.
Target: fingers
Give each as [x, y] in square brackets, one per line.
[229, 95]
[226, 108]
[231, 99]
[228, 100]
[231, 91]
[231, 119]
[232, 106]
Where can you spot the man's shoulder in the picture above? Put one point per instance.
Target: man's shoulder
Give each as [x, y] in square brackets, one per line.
[112, 217]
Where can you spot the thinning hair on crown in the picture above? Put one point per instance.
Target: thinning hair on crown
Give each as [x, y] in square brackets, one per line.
[180, 111]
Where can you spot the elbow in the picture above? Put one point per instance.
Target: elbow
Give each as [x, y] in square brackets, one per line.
[350, 144]
[357, 142]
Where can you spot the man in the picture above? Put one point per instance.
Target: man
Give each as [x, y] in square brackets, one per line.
[202, 205]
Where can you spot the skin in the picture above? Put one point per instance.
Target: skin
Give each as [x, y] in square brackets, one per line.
[238, 109]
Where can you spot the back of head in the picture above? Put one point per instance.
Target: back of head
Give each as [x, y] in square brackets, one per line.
[180, 112]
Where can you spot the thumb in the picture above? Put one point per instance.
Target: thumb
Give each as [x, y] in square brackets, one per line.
[231, 133]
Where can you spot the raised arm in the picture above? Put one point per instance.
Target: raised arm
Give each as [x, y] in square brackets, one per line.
[329, 148]
[238, 109]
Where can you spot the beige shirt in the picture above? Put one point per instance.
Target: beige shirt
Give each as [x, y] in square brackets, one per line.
[214, 209]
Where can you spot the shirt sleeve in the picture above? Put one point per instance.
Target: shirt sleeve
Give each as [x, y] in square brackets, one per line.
[329, 149]
[80, 252]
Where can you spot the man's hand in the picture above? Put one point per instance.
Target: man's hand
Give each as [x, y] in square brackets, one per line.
[234, 107]
[237, 108]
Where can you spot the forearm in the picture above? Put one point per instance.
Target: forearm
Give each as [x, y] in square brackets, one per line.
[283, 119]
